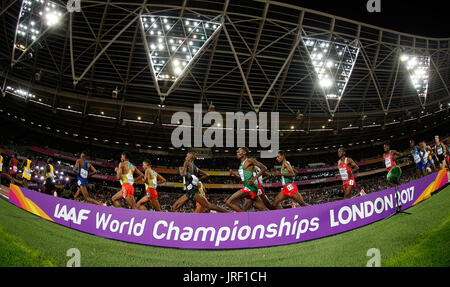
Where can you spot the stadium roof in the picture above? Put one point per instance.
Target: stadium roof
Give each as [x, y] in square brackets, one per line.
[257, 60]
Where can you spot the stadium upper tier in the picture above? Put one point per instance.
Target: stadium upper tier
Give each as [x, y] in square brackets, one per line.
[105, 73]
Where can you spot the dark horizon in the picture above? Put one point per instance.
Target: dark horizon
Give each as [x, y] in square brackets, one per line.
[422, 18]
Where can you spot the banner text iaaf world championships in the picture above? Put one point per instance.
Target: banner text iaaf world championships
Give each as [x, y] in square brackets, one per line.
[224, 231]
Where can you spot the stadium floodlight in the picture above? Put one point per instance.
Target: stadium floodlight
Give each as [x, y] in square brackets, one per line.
[418, 68]
[35, 15]
[21, 93]
[333, 64]
[174, 42]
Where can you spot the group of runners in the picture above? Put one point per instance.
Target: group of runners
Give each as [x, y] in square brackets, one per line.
[251, 172]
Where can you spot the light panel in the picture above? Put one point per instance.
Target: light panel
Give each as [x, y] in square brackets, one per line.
[173, 43]
[333, 64]
[35, 16]
[418, 68]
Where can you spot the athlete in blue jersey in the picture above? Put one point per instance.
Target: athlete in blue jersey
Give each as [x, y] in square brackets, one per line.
[82, 168]
[418, 160]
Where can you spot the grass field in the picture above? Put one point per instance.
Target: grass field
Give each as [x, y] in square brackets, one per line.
[420, 239]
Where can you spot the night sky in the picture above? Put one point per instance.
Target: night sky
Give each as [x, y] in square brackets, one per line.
[427, 18]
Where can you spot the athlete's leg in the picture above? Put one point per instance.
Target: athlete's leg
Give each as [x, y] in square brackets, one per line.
[141, 203]
[266, 201]
[259, 204]
[280, 198]
[232, 202]
[116, 198]
[77, 194]
[199, 209]
[348, 192]
[248, 203]
[130, 201]
[298, 198]
[155, 204]
[86, 196]
[179, 203]
[208, 205]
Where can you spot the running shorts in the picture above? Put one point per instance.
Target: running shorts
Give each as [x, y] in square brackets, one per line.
[152, 193]
[82, 182]
[349, 182]
[249, 191]
[127, 190]
[289, 189]
[260, 190]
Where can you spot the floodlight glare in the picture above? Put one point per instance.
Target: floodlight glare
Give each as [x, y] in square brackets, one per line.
[418, 68]
[333, 63]
[182, 39]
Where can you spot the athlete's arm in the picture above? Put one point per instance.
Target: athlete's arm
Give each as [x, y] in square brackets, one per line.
[354, 166]
[232, 174]
[204, 173]
[140, 174]
[160, 179]
[119, 171]
[262, 167]
[184, 169]
[75, 167]
[288, 167]
[93, 170]
[395, 154]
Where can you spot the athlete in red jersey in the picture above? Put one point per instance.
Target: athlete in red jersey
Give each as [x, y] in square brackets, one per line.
[347, 167]
[394, 171]
[13, 167]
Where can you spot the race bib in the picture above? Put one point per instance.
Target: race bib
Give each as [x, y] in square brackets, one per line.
[1, 166]
[79, 182]
[189, 187]
[344, 174]
[194, 180]
[27, 172]
[241, 174]
[130, 179]
[15, 168]
[416, 158]
[83, 173]
[388, 162]
[351, 182]
[440, 151]
[290, 187]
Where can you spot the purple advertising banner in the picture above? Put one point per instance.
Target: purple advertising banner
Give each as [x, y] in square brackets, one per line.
[230, 230]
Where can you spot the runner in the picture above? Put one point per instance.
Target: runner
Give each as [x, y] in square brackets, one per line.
[124, 173]
[441, 152]
[202, 190]
[290, 189]
[84, 170]
[250, 180]
[27, 167]
[431, 157]
[425, 165]
[347, 167]
[190, 173]
[394, 171]
[13, 168]
[415, 152]
[49, 176]
[248, 203]
[151, 180]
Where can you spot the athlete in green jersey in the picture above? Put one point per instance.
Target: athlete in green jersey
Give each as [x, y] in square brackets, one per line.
[290, 189]
[249, 180]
